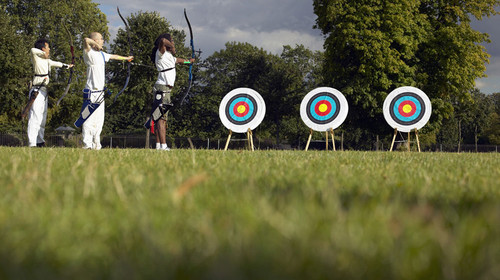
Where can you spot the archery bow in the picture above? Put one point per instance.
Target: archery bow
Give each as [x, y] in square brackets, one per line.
[192, 56]
[71, 69]
[130, 53]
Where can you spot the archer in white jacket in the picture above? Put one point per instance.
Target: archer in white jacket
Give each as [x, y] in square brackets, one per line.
[38, 113]
[96, 59]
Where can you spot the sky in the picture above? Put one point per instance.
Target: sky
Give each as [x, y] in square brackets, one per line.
[267, 24]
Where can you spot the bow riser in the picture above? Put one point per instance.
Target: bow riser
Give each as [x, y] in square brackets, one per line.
[72, 49]
[190, 78]
[130, 53]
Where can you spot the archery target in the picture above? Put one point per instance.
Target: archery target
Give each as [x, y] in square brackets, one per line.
[241, 109]
[407, 108]
[323, 109]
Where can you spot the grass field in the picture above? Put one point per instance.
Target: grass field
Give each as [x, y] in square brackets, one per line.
[146, 214]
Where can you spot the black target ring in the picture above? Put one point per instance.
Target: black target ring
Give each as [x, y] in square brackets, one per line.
[230, 108]
[419, 105]
[319, 97]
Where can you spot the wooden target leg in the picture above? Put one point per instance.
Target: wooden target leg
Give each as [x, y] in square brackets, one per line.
[393, 139]
[418, 142]
[251, 140]
[228, 139]
[326, 135]
[333, 139]
[309, 139]
[248, 139]
[409, 148]
[190, 143]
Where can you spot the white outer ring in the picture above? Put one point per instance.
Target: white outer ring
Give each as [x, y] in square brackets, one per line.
[407, 128]
[344, 109]
[259, 116]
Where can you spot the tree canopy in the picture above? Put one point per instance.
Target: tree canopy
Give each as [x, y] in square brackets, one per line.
[23, 22]
[372, 47]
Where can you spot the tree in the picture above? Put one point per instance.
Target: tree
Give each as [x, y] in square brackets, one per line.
[373, 47]
[57, 21]
[492, 133]
[292, 75]
[14, 74]
[238, 65]
[370, 49]
[132, 108]
[451, 58]
[472, 117]
[281, 80]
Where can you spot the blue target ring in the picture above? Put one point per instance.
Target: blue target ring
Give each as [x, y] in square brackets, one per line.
[416, 112]
[247, 115]
[332, 108]
[246, 101]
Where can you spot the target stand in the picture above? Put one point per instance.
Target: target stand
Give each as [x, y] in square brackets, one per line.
[323, 109]
[408, 142]
[249, 140]
[407, 109]
[241, 111]
[326, 137]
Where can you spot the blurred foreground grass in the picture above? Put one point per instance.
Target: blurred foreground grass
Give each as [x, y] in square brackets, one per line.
[146, 214]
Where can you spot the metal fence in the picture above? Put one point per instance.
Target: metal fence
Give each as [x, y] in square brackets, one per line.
[141, 142]
[133, 141]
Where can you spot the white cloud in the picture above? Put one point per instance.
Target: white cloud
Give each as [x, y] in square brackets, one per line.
[272, 41]
[263, 23]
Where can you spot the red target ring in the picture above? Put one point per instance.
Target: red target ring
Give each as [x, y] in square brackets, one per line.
[323, 108]
[407, 108]
[241, 109]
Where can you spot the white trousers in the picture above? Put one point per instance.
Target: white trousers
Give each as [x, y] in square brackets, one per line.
[38, 118]
[92, 127]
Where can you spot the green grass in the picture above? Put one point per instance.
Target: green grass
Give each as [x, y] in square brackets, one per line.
[146, 214]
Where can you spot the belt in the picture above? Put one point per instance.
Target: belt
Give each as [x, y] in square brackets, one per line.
[87, 92]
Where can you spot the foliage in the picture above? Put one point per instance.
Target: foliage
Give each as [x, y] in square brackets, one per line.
[26, 21]
[492, 133]
[448, 135]
[237, 214]
[281, 80]
[133, 107]
[374, 47]
[477, 117]
[14, 74]
[473, 121]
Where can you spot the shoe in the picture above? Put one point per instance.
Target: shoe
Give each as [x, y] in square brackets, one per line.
[165, 149]
[40, 144]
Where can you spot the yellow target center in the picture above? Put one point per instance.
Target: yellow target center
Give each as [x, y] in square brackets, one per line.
[407, 108]
[241, 109]
[322, 108]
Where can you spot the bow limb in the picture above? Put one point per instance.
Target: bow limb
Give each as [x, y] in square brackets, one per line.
[130, 53]
[192, 56]
[72, 48]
